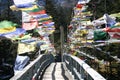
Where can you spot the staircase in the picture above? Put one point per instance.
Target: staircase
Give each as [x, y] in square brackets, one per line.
[56, 71]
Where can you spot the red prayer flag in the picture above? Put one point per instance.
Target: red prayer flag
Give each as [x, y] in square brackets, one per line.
[79, 5]
[39, 12]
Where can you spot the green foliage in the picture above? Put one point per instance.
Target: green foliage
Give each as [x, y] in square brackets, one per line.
[104, 6]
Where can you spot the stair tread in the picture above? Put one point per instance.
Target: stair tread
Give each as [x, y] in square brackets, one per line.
[55, 70]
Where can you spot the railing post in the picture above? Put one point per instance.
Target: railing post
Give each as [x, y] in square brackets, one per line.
[75, 70]
[78, 69]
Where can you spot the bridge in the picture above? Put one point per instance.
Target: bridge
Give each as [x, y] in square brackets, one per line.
[44, 67]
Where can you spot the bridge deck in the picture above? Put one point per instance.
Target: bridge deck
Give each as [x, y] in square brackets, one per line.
[56, 71]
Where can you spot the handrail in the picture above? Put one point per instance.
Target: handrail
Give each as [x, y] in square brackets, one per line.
[35, 69]
[79, 69]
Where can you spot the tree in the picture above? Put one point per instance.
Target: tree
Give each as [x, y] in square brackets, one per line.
[100, 7]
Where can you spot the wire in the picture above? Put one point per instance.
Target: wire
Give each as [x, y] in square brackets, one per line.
[105, 6]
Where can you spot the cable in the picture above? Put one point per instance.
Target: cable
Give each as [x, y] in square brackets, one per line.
[105, 6]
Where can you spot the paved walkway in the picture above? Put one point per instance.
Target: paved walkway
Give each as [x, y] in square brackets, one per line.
[56, 72]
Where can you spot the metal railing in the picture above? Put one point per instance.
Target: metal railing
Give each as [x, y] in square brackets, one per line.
[79, 69]
[35, 69]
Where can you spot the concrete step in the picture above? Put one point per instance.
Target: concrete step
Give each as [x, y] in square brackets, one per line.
[55, 72]
[49, 71]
